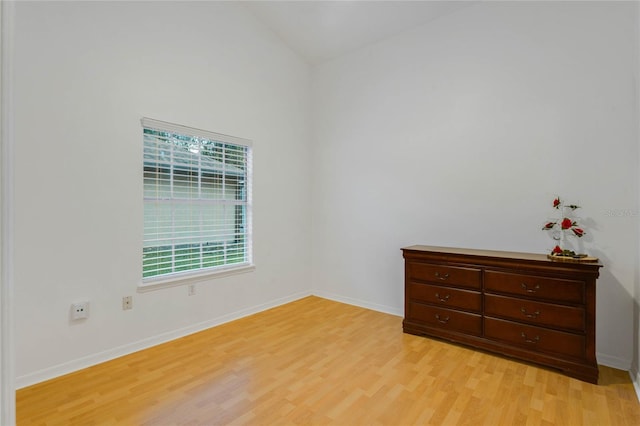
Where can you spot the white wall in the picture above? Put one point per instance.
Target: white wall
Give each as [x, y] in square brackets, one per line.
[7, 386]
[461, 132]
[85, 73]
[457, 133]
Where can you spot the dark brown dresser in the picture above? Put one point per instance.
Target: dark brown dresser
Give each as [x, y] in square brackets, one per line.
[521, 305]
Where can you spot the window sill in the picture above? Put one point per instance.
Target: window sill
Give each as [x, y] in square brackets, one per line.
[177, 280]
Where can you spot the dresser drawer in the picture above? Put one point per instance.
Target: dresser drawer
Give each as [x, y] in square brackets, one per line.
[535, 338]
[447, 319]
[447, 275]
[555, 289]
[534, 312]
[445, 296]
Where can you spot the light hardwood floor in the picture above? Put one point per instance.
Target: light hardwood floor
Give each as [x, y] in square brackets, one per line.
[315, 361]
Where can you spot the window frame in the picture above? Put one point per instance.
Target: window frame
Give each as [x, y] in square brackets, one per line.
[200, 274]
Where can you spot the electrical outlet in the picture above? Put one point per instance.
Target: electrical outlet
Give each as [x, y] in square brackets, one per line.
[79, 311]
[127, 303]
[192, 289]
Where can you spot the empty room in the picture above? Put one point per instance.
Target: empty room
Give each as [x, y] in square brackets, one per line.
[320, 212]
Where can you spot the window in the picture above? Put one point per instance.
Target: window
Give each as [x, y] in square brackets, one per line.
[197, 201]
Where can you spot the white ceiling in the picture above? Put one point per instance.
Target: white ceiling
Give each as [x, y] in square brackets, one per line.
[322, 30]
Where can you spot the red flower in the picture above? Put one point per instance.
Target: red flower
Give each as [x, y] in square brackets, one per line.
[549, 225]
[556, 203]
[566, 223]
[579, 232]
[556, 249]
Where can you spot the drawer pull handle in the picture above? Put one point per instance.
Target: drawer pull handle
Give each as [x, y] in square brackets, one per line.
[527, 340]
[442, 320]
[443, 299]
[530, 290]
[441, 277]
[533, 315]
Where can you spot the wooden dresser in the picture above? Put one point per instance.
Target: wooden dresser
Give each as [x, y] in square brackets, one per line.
[521, 305]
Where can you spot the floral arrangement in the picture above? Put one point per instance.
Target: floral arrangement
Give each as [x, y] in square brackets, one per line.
[565, 225]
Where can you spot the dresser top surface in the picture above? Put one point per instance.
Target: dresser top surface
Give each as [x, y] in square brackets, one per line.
[537, 257]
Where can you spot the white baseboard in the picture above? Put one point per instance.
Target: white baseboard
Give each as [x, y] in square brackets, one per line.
[635, 379]
[88, 361]
[360, 303]
[613, 361]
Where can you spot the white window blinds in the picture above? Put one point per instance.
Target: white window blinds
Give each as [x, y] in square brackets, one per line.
[197, 200]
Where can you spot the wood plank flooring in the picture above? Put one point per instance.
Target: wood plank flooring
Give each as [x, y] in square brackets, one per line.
[316, 361]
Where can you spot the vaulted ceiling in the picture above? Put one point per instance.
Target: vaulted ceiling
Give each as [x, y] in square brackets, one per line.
[322, 30]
